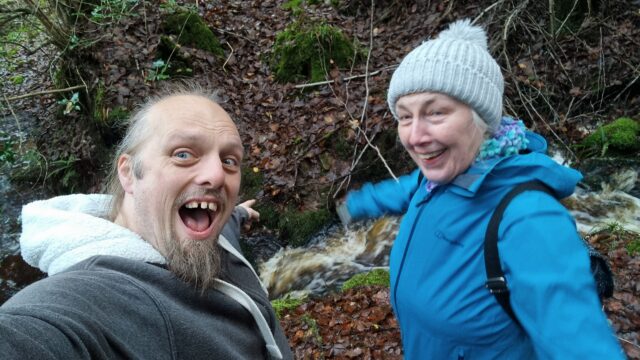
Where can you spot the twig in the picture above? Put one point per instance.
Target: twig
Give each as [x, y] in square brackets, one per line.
[228, 57]
[486, 10]
[17, 122]
[232, 33]
[505, 36]
[557, 32]
[37, 93]
[602, 70]
[301, 86]
[366, 95]
[628, 342]
[629, 84]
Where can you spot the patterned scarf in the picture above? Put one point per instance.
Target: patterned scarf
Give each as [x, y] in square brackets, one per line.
[508, 140]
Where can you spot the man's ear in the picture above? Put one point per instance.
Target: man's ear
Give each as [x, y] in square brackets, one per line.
[125, 172]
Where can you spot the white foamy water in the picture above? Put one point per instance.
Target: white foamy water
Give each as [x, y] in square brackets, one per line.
[329, 261]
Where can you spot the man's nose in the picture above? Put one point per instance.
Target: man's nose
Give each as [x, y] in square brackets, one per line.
[211, 173]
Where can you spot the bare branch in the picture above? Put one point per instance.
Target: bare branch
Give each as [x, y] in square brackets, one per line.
[38, 93]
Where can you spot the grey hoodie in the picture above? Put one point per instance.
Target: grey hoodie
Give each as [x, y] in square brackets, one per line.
[110, 296]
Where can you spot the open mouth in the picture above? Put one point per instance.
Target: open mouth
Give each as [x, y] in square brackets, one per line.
[198, 216]
[432, 155]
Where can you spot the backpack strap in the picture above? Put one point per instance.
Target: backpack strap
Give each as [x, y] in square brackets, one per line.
[496, 282]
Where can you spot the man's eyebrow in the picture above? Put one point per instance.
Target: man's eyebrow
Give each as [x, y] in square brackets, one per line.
[181, 136]
[178, 137]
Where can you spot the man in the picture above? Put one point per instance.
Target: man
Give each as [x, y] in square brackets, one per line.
[156, 275]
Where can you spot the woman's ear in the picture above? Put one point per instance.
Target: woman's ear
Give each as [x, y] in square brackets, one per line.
[125, 173]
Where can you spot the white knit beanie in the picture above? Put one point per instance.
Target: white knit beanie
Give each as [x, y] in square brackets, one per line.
[457, 63]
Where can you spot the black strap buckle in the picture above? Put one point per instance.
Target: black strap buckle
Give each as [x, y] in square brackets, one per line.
[496, 285]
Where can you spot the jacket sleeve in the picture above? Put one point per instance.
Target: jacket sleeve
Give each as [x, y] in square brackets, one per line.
[386, 197]
[231, 229]
[69, 316]
[553, 293]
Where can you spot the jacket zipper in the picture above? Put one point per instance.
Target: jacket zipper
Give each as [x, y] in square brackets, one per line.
[404, 255]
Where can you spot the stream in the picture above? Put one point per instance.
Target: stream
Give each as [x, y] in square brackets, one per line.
[610, 195]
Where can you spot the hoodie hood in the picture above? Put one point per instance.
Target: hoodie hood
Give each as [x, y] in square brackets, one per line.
[65, 230]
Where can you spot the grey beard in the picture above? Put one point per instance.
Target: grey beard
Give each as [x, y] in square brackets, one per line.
[195, 262]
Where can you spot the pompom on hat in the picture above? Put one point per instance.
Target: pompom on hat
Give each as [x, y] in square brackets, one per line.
[456, 63]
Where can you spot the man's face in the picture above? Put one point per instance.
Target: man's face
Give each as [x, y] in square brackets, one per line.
[188, 184]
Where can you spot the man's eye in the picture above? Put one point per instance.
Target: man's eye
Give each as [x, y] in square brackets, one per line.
[183, 155]
[230, 162]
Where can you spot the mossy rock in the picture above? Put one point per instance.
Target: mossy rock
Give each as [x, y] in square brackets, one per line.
[309, 51]
[617, 138]
[374, 277]
[297, 228]
[192, 31]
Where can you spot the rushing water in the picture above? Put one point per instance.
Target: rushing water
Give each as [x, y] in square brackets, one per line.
[332, 258]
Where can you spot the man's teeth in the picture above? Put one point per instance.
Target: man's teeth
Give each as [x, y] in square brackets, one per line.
[203, 205]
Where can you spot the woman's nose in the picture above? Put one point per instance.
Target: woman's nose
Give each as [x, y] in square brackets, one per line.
[419, 133]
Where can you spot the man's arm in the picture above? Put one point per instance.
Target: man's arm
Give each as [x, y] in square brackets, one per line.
[80, 316]
[243, 215]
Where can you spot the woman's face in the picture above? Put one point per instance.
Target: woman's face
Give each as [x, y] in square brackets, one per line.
[439, 133]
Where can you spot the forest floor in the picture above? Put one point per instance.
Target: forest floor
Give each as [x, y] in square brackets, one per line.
[289, 132]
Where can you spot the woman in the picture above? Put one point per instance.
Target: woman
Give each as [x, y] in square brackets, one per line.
[447, 98]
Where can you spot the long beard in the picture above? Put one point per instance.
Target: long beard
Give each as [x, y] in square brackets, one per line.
[195, 262]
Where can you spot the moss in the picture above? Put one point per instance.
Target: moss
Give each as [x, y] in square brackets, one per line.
[308, 51]
[252, 182]
[117, 115]
[618, 138]
[99, 112]
[374, 277]
[103, 115]
[633, 247]
[269, 215]
[295, 6]
[285, 304]
[298, 227]
[192, 31]
[29, 166]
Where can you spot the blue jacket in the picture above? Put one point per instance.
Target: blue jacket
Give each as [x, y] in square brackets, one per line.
[438, 273]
